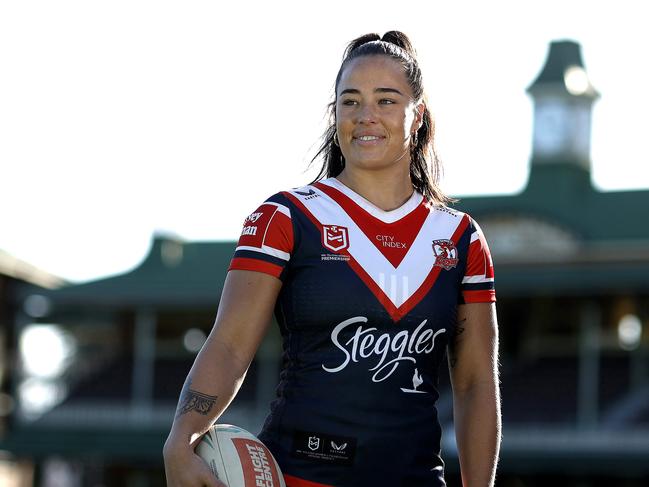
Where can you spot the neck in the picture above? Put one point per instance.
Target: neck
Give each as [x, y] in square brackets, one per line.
[385, 190]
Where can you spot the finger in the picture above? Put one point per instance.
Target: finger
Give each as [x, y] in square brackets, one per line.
[210, 480]
[207, 476]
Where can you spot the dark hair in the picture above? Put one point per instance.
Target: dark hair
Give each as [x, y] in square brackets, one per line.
[425, 166]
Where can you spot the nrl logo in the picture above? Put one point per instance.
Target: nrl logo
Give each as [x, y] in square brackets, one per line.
[314, 443]
[446, 254]
[334, 237]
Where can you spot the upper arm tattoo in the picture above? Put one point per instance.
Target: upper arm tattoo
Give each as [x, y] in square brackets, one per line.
[459, 329]
[191, 400]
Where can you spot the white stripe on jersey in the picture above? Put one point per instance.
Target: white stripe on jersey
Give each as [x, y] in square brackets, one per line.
[476, 236]
[385, 216]
[398, 284]
[280, 208]
[265, 249]
[476, 279]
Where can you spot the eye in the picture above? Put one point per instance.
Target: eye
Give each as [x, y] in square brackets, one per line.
[387, 101]
[349, 102]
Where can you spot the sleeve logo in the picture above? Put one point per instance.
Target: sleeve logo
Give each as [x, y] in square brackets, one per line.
[335, 238]
[446, 254]
[307, 195]
[249, 229]
[253, 217]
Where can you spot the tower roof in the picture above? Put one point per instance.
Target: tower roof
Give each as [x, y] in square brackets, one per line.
[564, 69]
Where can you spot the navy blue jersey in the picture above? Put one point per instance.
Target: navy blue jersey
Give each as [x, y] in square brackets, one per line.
[367, 306]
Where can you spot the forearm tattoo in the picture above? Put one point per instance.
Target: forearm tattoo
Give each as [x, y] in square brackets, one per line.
[459, 329]
[191, 400]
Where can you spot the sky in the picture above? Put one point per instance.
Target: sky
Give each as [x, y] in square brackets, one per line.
[125, 119]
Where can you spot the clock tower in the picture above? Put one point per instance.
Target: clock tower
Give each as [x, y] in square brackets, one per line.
[563, 98]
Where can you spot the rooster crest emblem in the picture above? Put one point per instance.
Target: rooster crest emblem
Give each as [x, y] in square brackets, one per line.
[416, 382]
[445, 254]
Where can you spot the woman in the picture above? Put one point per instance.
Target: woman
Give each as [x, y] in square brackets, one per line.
[371, 277]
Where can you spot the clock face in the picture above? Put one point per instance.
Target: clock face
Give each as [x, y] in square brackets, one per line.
[581, 139]
[550, 127]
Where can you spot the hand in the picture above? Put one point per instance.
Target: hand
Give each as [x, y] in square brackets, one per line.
[184, 468]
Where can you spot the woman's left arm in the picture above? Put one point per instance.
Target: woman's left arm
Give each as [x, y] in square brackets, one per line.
[473, 362]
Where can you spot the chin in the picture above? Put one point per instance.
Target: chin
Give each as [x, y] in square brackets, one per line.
[373, 165]
[376, 163]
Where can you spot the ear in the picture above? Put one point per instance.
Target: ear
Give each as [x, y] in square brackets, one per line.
[419, 116]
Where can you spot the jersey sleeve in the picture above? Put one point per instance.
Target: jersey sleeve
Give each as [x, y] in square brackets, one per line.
[478, 280]
[266, 241]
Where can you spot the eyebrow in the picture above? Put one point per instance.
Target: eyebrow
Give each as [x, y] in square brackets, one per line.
[354, 91]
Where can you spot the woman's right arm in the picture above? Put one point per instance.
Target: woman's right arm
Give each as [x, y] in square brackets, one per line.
[243, 316]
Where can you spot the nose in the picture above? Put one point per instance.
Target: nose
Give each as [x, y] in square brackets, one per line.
[366, 114]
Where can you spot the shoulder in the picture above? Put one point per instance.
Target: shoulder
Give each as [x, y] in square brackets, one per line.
[302, 194]
[278, 198]
[290, 196]
[460, 216]
[447, 211]
[276, 203]
[285, 202]
[460, 222]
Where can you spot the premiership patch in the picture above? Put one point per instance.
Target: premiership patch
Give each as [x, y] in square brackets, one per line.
[445, 253]
[335, 237]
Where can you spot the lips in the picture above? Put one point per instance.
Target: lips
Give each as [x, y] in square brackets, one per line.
[367, 139]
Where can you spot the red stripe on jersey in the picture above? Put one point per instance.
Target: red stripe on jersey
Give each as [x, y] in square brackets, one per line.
[479, 259]
[394, 239]
[484, 296]
[376, 290]
[298, 482]
[267, 226]
[434, 273]
[279, 234]
[395, 313]
[383, 298]
[246, 264]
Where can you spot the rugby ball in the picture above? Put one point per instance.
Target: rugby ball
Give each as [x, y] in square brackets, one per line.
[238, 458]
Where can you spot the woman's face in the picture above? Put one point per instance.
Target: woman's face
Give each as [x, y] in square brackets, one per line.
[375, 113]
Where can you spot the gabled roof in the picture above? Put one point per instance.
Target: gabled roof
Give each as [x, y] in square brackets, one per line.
[22, 271]
[562, 193]
[609, 231]
[174, 273]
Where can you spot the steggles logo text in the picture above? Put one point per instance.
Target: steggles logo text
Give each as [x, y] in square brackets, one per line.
[389, 351]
